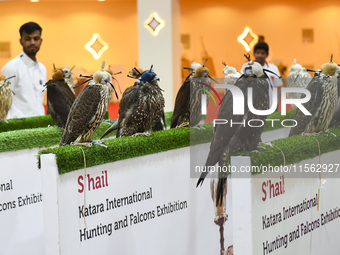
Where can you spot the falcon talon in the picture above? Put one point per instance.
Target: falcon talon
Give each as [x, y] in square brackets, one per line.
[200, 127]
[267, 143]
[101, 143]
[141, 134]
[87, 144]
[331, 133]
[261, 147]
[183, 125]
[106, 121]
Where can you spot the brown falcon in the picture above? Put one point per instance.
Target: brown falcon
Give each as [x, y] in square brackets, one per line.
[134, 73]
[187, 111]
[88, 110]
[324, 95]
[5, 97]
[336, 117]
[141, 106]
[231, 138]
[59, 98]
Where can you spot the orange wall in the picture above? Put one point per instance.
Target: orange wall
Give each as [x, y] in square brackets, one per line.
[68, 26]
[221, 22]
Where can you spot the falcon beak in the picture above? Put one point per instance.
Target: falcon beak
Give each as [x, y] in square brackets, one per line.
[157, 78]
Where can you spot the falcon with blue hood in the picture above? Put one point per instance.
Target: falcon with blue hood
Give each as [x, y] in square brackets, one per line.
[141, 107]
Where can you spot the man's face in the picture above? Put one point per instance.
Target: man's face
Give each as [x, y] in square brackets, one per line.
[31, 42]
[260, 56]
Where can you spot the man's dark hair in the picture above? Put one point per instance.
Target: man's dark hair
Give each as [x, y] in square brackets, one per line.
[261, 46]
[29, 28]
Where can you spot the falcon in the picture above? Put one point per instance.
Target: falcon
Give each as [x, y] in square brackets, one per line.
[187, 110]
[229, 139]
[88, 110]
[59, 98]
[321, 106]
[298, 78]
[5, 97]
[335, 122]
[141, 107]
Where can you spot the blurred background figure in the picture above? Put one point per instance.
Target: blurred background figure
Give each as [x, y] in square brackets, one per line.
[30, 75]
[261, 50]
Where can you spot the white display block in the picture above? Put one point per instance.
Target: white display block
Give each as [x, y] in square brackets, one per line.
[285, 218]
[142, 205]
[150, 204]
[21, 207]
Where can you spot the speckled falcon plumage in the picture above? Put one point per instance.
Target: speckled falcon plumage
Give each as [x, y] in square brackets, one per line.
[324, 95]
[335, 122]
[88, 110]
[229, 139]
[5, 97]
[141, 107]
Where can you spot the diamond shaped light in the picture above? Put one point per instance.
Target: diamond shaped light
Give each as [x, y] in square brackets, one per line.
[96, 46]
[154, 23]
[247, 39]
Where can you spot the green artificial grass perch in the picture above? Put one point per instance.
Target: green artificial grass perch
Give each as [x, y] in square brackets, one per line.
[31, 122]
[38, 138]
[26, 123]
[295, 148]
[69, 158]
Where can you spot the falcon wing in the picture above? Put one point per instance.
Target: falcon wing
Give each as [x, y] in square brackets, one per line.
[245, 137]
[135, 117]
[5, 100]
[82, 113]
[316, 90]
[223, 132]
[128, 98]
[59, 101]
[125, 103]
[196, 99]
[181, 103]
[336, 117]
